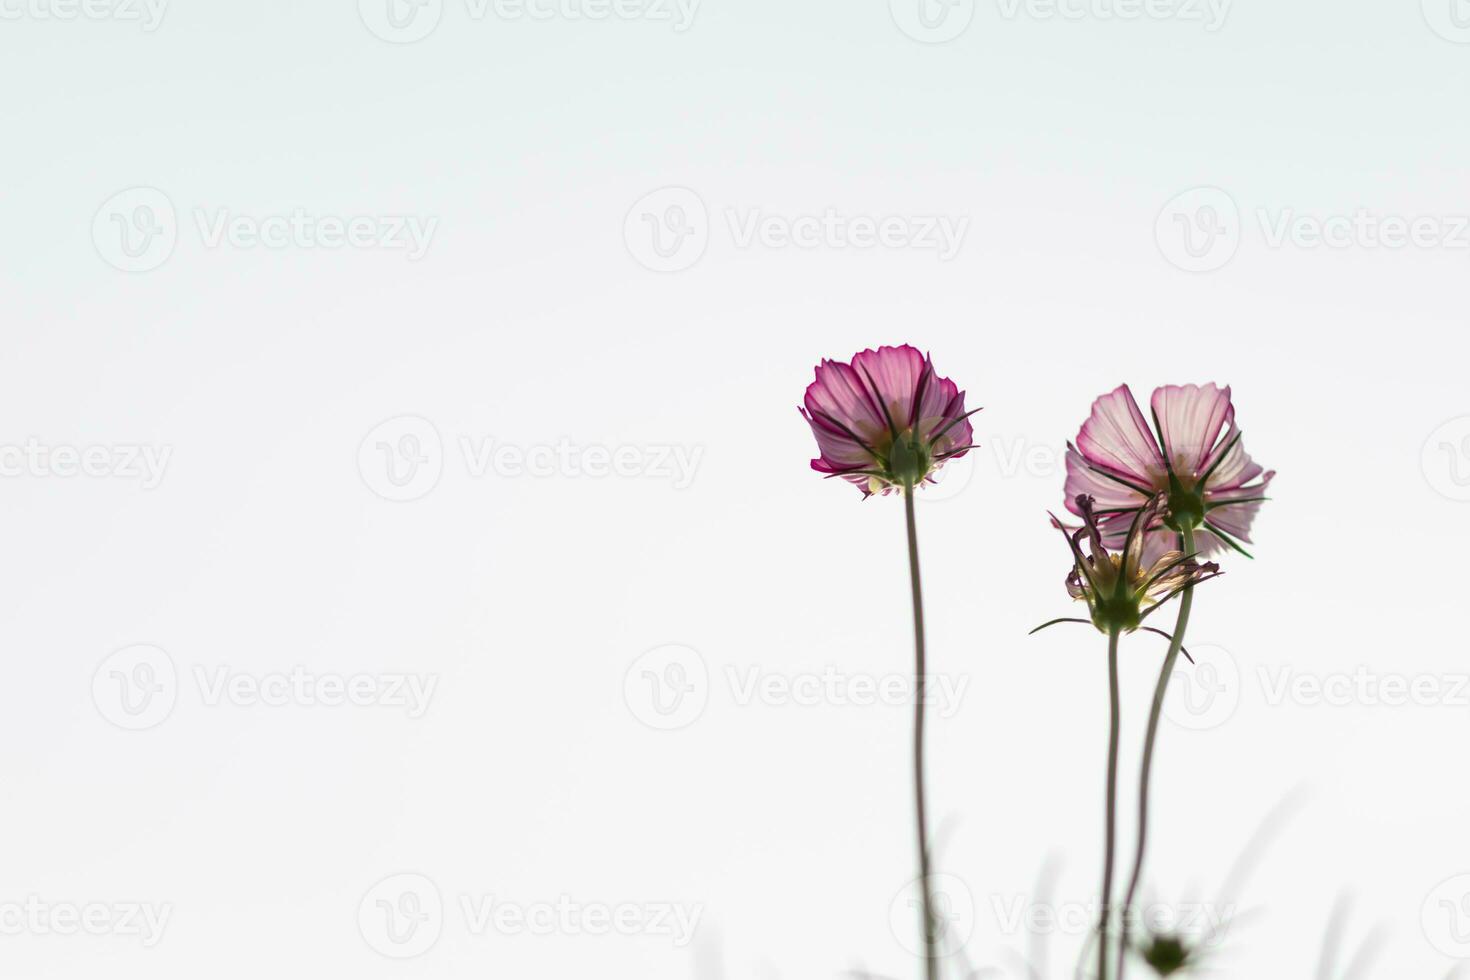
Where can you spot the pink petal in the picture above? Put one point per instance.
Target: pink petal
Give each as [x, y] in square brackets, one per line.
[1190, 418]
[1109, 493]
[839, 393]
[894, 372]
[1234, 470]
[838, 450]
[1116, 438]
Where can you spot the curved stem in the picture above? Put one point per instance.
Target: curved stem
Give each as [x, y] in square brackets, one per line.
[931, 961]
[1186, 602]
[1112, 807]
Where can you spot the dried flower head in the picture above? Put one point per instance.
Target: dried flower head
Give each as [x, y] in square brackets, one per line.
[1119, 589]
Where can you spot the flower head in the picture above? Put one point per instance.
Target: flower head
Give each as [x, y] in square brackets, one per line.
[1168, 954]
[1193, 456]
[1119, 589]
[886, 421]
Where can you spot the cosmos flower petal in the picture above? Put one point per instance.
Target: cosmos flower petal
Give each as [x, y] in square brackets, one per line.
[1231, 467]
[839, 451]
[1190, 419]
[1235, 519]
[1249, 492]
[1116, 438]
[1083, 480]
[841, 395]
[893, 373]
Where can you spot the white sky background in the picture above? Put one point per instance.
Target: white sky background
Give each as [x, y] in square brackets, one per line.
[524, 150]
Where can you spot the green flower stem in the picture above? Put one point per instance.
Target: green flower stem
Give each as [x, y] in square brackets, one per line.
[1112, 806]
[1186, 602]
[931, 960]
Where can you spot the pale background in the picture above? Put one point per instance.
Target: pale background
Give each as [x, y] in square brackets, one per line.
[533, 319]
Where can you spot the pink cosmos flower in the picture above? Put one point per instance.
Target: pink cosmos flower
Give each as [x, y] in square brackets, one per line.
[1193, 456]
[886, 421]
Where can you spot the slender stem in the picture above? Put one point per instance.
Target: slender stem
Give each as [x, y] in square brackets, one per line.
[931, 961]
[1112, 809]
[1186, 602]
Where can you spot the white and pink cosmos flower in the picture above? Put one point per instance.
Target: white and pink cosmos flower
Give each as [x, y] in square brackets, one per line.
[1192, 455]
[886, 421]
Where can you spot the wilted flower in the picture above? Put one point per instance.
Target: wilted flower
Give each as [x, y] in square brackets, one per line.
[886, 421]
[1119, 590]
[1196, 461]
